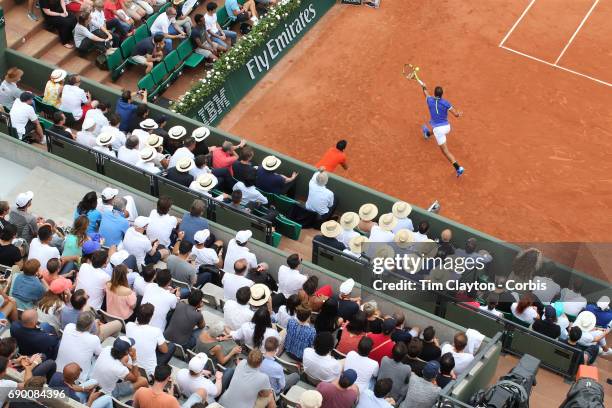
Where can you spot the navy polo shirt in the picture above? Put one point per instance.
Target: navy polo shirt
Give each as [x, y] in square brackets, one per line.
[269, 181]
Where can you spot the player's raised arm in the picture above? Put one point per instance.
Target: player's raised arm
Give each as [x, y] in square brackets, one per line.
[424, 87]
[455, 112]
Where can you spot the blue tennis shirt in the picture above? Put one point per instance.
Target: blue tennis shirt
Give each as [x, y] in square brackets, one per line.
[438, 109]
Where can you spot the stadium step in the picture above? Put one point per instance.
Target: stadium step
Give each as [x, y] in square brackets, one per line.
[56, 53]
[19, 28]
[38, 44]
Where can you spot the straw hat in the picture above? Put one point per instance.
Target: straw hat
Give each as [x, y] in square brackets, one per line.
[349, 220]
[401, 209]
[148, 124]
[403, 238]
[384, 251]
[271, 163]
[586, 321]
[177, 132]
[368, 212]
[387, 222]
[185, 164]
[260, 294]
[104, 139]
[357, 243]
[177, 2]
[13, 75]
[147, 154]
[155, 141]
[206, 181]
[58, 75]
[200, 133]
[331, 229]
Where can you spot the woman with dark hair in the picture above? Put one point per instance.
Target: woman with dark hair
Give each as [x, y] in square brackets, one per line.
[308, 295]
[73, 244]
[328, 319]
[352, 332]
[547, 325]
[255, 332]
[492, 302]
[87, 206]
[120, 299]
[287, 311]
[524, 309]
[56, 16]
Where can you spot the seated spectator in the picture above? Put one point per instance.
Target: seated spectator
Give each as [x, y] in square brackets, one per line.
[136, 243]
[40, 248]
[24, 118]
[340, 393]
[162, 297]
[234, 281]
[492, 302]
[161, 223]
[414, 350]
[365, 367]
[524, 309]
[67, 380]
[114, 223]
[9, 91]
[59, 128]
[261, 275]
[187, 147]
[280, 382]
[200, 38]
[420, 235]
[402, 333]
[333, 157]
[347, 306]
[86, 136]
[180, 265]
[104, 144]
[290, 280]
[223, 38]
[506, 298]
[224, 157]
[136, 10]
[28, 288]
[93, 278]
[129, 153]
[573, 301]
[352, 333]
[10, 385]
[300, 334]
[367, 213]
[149, 342]
[112, 127]
[10, 255]
[237, 249]
[286, 312]
[53, 87]
[26, 223]
[206, 255]
[239, 13]
[147, 160]
[98, 112]
[462, 358]
[76, 240]
[590, 334]
[56, 17]
[116, 371]
[78, 345]
[431, 346]
[255, 332]
[120, 298]
[270, 181]
[243, 167]
[590, 351]
[142, 126]
[447, 364]
[547, 325]
[471, 251]
[310, 298]
[320, 199]
[162, 25]
[32, 338]
[77, 307]
[51, 304]
[180, 173]
[348, 222]
[327, 319]
[377, 397]
[601, 310]
[187, 321]
[330, 231]
[193, 378]
[220, 351]
[317, 360]
[86, 41]
[393, 368]
[445, 246]
[98, 23]
[374, 321]
[247, 372]
[357, 246]
[88, 207]
[193, 220]
[250, 195]
[74, 99]
[382, 232]
[237, 312]
[145, 279]
[159, 394]
[382, 343]
[423, 391]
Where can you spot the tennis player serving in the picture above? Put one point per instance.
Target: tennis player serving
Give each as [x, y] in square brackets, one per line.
[438, 109]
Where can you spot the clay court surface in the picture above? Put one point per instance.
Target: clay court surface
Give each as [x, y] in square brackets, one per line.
[535, 138]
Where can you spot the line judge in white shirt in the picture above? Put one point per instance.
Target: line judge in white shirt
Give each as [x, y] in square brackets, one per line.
[162, 296]
[236, 249]
[234, 281]
[381, 233]
[401, 210]
[290, 280]
[320, 199]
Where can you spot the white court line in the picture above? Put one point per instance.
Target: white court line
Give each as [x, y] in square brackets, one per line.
[576, 32]
[556, 66]
[517, 23]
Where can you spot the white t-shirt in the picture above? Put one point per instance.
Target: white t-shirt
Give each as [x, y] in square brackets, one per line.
[462, 360]
[160, 227]
[146, 339]
[325, 368]
[204, 256]
[494, 312]
[290, 281]
[161, 24]
[140, 285]
[6, 385]
[42, 252]
[137, 244]
[231, 284]
[320, 198]
[130, 156]
[72, 99]
[21, 114]
[528, 315]
[211, 23]
[235, 314]
[108, 371]
[86, 138]
[377, 234]
[180, 153]
[190, 384]
[94, 282]
[235, 252]
[163, 301]
[78, 347]
[365, 367]
[245, 334]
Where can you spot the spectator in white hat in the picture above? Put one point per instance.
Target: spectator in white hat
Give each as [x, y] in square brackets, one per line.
[200, 135]
[86, 136]
[330, 231]
[206, 255]
[193, 378]
[237, 249]
[26, 223]
[104, 144]
[382, 233]
[161, 223]
[106, 198]
[112, 127]
[401, 210]
[347, 305]
[98, 113]
[157, 142]
[129, 152]
[592, 336]
[204, 183]
[147, 160]
[356, 246]
[270, 181]
[186, 151]
[180, 172]
[144, 129]
[348, 221]
[367, 213]
[320, 199]
[54, 86]
[136, 243]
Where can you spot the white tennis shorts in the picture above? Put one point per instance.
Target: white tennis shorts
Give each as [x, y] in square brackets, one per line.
[440, 133]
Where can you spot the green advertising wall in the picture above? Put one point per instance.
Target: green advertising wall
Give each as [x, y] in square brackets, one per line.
[241, 81]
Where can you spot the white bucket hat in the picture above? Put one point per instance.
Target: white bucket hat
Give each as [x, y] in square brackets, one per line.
[368, 212]
[271, 163]
[331, 229]
[58, 75]
[387, 222]
[155, 141]
[147, 154]
[349, 220]
[177, 132]
[185, 164]
[401, 209]
[104, 139]
[403, 238]
[200, 133]
[148, 124]
[586, 321]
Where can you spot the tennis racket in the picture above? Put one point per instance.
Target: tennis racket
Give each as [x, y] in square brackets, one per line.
[411, 72]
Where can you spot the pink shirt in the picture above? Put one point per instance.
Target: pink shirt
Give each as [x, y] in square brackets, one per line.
[120, 306]
[221, 159]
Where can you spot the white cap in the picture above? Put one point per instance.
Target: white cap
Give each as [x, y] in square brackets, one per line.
[141, 222]
[109, 193]
[118, 257]
[200, 237]
[198, 362]
[603, 303]
[243, 236]
[23, 199]
[347, 286]
[88, 123]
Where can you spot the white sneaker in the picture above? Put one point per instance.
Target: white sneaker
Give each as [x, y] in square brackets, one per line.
[605, 353]
[255, 20]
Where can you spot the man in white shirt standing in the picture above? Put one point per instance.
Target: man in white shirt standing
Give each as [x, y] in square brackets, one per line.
[161, 223]
[149, 341]
[237, 312]
[401, 210]
[162, 297]
[79, 346]
[320, 198]
[236, 249]
[290, 280]
[24, 118]
[92, 278]
[234, 281]
[86, 136]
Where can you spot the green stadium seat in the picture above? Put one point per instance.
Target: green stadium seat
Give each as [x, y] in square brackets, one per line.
[194, 60]
[45, 123]
[44, 108]
[147, 82]
[116, 64]
[159, 73]
[127, 46]
[223, 18]
[288, 228]
[276, 239]
[184, 49]
[172, 61]
[284, 204]
[141, 33]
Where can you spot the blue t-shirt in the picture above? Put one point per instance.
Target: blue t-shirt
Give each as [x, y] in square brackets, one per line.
[125, 111]
[298, 337]
[604, 317]
[94, 220]
[27, 290]
[438, 109]
[269, 181]
[230, 6]
[190, 225]
[112, 227]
